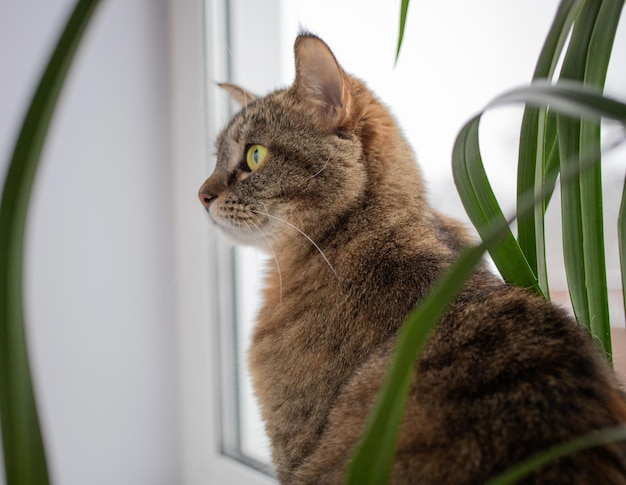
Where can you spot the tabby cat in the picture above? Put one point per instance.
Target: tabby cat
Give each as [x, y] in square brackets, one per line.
[320, 176]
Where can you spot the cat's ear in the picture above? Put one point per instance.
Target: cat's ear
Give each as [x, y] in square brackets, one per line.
[238, 94]
[320, 82]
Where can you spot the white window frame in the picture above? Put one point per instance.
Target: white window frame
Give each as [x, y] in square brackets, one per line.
[196, 27]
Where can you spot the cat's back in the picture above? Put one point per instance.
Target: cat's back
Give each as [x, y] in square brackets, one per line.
[510, 375]
[505, 375]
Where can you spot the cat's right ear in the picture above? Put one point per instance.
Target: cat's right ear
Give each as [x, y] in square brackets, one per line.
[238, 94]
[320, 82]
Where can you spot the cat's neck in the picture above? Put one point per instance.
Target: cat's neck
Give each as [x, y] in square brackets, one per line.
[393, 197]
[392, 168]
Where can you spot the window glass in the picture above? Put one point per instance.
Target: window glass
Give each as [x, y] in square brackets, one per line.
[255, 63]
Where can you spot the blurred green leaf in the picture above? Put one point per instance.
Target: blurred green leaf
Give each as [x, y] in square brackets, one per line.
[24, 455]
[404, 8]
[621, 240]
[591, 440]
[570, 98]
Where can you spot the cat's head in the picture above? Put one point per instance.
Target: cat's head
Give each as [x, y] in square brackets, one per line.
[294, 158]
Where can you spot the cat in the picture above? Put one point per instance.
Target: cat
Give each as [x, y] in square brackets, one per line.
[320, 176]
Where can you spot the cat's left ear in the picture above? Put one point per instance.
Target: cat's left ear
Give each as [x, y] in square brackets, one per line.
[238, 94]
[320, 82]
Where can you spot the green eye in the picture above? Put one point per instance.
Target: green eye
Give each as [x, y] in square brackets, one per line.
[256, 156]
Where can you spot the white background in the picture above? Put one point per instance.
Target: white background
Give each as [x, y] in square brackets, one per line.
[99, 261]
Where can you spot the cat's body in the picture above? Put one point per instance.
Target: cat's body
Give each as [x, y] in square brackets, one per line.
[335, 196]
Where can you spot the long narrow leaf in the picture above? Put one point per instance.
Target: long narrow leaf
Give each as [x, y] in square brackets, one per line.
[621, 239]
[530, 229]
[590, 292]
[551, 153]
[537, 138]
[569, 147]
[571, 220]
[473, 185]
[600, 47]
[25, 461]
[484, 211]
[404, 8]
[591, 440]
[568, 98]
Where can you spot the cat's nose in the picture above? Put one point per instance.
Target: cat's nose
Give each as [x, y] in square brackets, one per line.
[212, 187]
[206, 197]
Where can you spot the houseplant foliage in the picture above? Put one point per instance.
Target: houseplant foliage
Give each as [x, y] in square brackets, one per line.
[24, 455]
[559, 137]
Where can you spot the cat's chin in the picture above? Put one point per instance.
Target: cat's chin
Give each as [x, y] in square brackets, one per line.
[245, 238]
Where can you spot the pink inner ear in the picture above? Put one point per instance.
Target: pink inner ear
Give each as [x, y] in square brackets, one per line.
[317, 73]
[238, 94]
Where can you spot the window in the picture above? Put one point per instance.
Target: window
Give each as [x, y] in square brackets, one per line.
[450, 67]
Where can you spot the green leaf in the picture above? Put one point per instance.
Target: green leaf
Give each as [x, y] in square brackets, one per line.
[570, 98]
[600, 47]
[571, 220]
[591, 440]
[537, 138]
[569, 147]
[582, 249]
[621, 239]
[24, 455]
[583, 242]
[551, 155]
[484, 211]
[530, 228]
[404, 8]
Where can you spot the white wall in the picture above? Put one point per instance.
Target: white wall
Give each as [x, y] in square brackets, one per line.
[100, 284]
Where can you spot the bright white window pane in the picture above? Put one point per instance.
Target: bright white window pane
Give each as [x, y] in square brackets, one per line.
[255, 64]
[456, 57]
[253, 439]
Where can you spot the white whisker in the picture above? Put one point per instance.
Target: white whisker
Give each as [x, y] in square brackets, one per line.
[321, 169]
[304, 234]
[269, 244]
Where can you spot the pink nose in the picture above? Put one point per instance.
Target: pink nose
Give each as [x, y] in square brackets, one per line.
[206, 198]
[213, 187]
